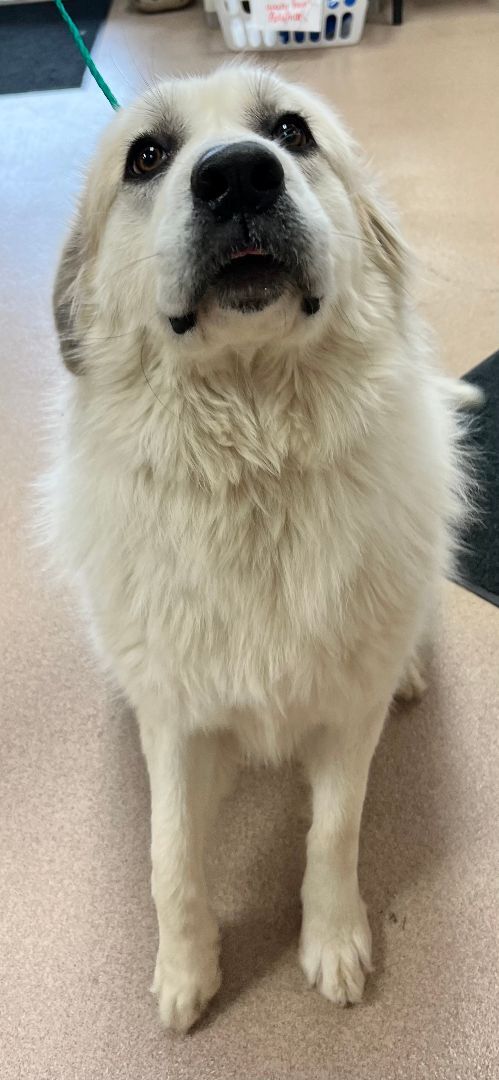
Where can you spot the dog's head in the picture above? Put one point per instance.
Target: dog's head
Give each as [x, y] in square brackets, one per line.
[223, 212]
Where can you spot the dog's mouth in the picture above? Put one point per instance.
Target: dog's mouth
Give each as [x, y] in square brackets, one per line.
[249, 279]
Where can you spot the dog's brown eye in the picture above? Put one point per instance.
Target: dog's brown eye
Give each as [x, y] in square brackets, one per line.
[144, 159]
[293, 132]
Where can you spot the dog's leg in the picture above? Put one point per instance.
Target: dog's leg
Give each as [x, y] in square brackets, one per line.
[185, 780]
[335, 948]
[412, 685]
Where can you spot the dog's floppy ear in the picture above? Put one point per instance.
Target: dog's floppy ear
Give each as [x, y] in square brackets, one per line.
[72, 298]
[67, 298]
[385, 245]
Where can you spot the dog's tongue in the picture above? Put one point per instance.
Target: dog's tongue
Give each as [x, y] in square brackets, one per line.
[247, 251]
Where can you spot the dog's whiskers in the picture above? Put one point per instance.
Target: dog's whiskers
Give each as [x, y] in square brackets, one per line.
[163, 403]
[135, 262]
[109, 337]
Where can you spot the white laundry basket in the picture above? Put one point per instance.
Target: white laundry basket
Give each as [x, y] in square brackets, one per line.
[259, 25]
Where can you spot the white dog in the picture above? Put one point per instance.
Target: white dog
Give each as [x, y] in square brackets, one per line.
[258, 482]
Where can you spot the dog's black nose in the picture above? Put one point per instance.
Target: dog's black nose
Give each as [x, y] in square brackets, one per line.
[237, 178]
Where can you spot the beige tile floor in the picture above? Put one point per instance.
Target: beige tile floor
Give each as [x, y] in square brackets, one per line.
[77, 935]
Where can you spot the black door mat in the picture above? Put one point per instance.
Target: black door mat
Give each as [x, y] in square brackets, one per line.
[478, 559]
[36, 48]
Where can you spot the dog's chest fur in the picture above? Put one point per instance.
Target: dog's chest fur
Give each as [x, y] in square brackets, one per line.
[227, 519]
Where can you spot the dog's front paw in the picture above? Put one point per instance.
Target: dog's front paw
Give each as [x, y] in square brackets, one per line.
[184, 990]
[412, 685]
[335, 954]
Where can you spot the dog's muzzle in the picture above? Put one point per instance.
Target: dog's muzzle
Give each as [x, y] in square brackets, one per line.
[242, 225]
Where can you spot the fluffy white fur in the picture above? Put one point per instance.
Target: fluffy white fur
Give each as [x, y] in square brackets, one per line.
[258, 513]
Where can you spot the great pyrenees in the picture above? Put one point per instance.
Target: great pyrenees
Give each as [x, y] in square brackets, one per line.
[257, 484]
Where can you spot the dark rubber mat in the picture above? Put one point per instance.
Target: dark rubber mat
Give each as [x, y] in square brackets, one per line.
[37, 51]
[478, 561]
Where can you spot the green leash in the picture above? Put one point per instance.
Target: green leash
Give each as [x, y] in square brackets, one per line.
[80, 44]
